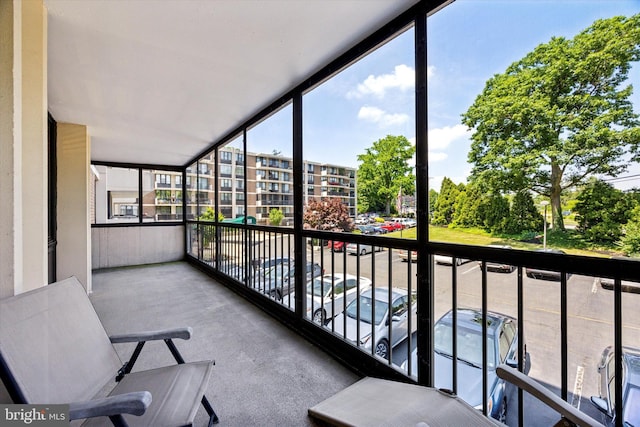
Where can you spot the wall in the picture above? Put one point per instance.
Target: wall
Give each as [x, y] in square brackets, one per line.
[73, 254]
[134, 245]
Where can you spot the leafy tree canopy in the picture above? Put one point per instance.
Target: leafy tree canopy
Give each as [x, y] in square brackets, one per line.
[602, 210]
[560, 114]
[275, 217]
[443, 213]
[384, 169]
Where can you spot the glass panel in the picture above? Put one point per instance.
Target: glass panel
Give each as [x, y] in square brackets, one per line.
[116, 195]
[359, 137]
[231, 179]
[270, 158]
[191, 198]
[161, 196]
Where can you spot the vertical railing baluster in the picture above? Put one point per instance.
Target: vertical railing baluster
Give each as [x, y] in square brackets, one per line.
[454, 319]
[563, 336]
[485, 391]
[522, 354]
[617, 350]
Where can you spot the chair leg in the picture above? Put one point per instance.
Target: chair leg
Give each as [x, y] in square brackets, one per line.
[213, 418]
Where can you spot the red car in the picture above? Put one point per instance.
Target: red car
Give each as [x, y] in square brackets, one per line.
[391, 226]
[336, 246]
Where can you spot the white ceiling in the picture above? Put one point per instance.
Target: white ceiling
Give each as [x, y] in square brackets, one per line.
[157, 81]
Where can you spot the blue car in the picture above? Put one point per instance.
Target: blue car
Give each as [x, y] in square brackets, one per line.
[502, 347]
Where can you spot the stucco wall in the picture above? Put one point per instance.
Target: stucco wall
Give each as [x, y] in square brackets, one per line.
[123, 246]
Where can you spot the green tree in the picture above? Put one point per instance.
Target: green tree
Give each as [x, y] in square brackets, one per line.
[559, 115]
[209, 232]
[494, 212]
[384, 169]
[523, 215]
[445, 205]
[602, 210]
[630, 241]
[466, 210]
[433, 199]
[275, 217]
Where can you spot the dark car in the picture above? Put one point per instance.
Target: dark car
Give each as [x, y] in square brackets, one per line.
[626, 285]
[502, 347]
[605, 402]
[536, 273]
[279, 280]
[498, 266]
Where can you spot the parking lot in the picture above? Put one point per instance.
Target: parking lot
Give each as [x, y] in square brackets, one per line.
[589, 313]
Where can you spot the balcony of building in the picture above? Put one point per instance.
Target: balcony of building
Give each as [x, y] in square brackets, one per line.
[156, 98]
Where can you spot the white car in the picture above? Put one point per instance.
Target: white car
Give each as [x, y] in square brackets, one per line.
[447, 260]
[374, 323]
[362, 249]
[327, 295]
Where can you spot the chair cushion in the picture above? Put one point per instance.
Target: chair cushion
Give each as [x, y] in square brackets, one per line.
[54, 345]
[176, 392]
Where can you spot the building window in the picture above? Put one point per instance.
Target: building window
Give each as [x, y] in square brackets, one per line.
[225, 170]
[225, 183]
[226, 156]
[239, 184]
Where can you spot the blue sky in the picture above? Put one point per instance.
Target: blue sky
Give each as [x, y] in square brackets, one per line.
[468, 42]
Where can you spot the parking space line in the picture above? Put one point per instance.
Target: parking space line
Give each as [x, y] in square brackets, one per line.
[594, 287]
[471, 269]
[577, 387]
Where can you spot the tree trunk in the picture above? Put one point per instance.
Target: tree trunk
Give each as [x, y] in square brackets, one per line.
[388, 209]
[555, 193]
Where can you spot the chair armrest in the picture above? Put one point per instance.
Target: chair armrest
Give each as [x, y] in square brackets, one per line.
[541, 393]
[178, 333]
[135, 403]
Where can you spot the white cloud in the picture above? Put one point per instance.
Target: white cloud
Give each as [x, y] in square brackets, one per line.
[381, 117]
[403, 78]
[440, 138]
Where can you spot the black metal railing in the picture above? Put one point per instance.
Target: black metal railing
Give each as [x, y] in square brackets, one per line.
[361, 297]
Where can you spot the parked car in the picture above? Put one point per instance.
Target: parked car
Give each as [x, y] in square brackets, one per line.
[336, 246]
[447, 260]
[605, 401]
[406, 222]
[395, 315]
[362, 248]
[502, 347]
[263, 264]
[404, 255]
[536, 273]
[390, 226]
[498, 266]
[280, 279]
[627, 285]
[367, 229]
[379, 230]
[326, 295]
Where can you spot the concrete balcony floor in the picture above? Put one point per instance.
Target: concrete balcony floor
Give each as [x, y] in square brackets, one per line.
[265, 374]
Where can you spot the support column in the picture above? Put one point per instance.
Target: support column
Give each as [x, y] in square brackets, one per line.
[34, 145]
[23, 146]
[74, 227]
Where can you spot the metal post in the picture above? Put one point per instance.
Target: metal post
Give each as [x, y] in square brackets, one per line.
[544, 238]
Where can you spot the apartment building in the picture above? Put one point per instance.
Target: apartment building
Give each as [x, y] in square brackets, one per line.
[269, 185]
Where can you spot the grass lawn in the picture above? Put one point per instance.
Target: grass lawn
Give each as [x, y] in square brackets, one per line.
[569, 241]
